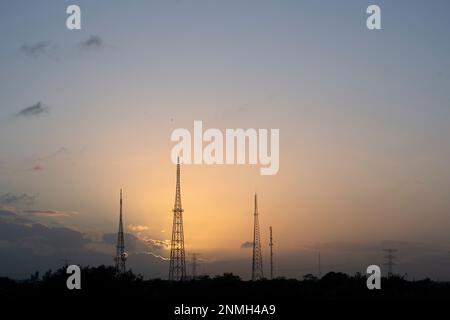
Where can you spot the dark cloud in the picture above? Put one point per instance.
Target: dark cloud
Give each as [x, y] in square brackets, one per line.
[37, 168]
[346, 246]
[36, 49]
[34, 110]
[93, 42]
[27, 246]
[38, 238]
[132, 243]
[355, 247]
[247, 244]
[7, 213]
[10, 214]
[17, 199]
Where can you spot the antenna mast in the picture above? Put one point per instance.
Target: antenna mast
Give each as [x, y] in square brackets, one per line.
[121, 255]
[271, 253]
[257, 268]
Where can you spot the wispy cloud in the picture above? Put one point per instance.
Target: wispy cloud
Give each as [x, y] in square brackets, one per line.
[137, 228]
[93, 42]
[36, 168]
[153, 254]
[17, 199]
[35, 49]
[50, 213]
[58, 152]
[34, 110]
[158, 244]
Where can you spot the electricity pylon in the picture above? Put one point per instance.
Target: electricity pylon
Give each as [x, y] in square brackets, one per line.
[390, 261]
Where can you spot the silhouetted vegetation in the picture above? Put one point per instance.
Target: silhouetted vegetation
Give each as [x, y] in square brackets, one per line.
[102, 286]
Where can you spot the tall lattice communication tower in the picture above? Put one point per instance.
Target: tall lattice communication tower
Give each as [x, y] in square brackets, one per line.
[257, 266]
[271, 253]
[121, 255]
[177, 264]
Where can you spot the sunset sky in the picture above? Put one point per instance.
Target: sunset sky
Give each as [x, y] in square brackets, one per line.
[363, 119]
